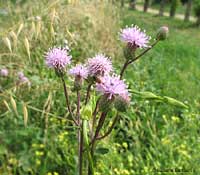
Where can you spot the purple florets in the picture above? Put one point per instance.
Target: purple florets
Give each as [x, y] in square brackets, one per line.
[23, 79]
[134, 37]
[79, 71]
[57, 58]
[99, 65]
[112, 86]
[4, 72]
[20, 75]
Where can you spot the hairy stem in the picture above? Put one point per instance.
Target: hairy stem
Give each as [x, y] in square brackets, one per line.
[88, 93]
[94, 114]
[110, 129]
[66, 95]
[124, 68]
[80, 144]
[99, 126]
[145, 51]
[67, 100]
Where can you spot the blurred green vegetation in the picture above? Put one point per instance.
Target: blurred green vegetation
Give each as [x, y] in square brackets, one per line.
[150, 139]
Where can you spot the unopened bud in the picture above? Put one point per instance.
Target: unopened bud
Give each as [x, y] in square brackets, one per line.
[105, 104]
[122, 103]
[59, 72]
[129, 52]
[78, 82]
[162, 33]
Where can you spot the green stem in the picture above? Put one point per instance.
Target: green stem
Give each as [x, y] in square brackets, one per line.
[80, 144]
[86, 141]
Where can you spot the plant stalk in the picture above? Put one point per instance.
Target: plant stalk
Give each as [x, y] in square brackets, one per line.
[135, 58]
[80, 139]
[88, 93]
[110, 129]
[67, 100]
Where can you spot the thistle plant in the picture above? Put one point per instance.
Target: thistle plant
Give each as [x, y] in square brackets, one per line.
[99, 90]
[4, 72]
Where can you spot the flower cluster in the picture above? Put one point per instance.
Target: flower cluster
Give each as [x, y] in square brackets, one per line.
[58, 58]
[99, 66]
[134, 37]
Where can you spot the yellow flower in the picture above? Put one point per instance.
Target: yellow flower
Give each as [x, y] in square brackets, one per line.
[125, 172]
[49, 173]
[12, 161]
[38, 162]
[34, 145]
[61, 137]
[41, 145]
[165, 141]
[175, 119]
[39, 153]
[55, 173]
[125, 145]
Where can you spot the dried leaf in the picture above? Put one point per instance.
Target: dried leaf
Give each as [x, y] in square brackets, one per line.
[27, 46]
[8, 43]
[20, 28]
[25, 111]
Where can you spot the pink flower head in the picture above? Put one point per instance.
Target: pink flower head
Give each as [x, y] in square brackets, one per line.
[133, 36]
[25, 80]
[99, 65]
[4, 72]
[112, 86]
[79, 71]
[20, 75]
[57, 58]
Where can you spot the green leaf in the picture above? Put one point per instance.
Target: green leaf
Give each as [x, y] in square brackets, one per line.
[86, 112]
[147, 95]
[174, 102]
[102, 150]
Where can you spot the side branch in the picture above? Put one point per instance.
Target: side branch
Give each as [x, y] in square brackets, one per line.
[136, 58]
[110, 129]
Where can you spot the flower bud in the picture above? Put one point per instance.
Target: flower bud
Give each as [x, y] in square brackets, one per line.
[105, 104]
[78, 82]
[59, 73]
[162, 33]
[129, 52]
[122, 103]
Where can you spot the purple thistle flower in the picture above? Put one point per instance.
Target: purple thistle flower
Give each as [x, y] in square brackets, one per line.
[99, 65]
[23, 79]
[57, 58]
[79, 71]
[4, 72]
[134, 37]
[112, 86]
[20, 75]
